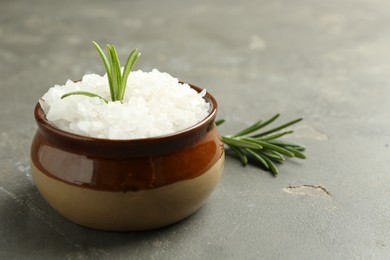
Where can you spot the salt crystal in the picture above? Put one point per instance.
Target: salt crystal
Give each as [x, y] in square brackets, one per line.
[154, 104]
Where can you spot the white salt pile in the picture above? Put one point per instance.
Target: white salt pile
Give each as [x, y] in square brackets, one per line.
[155, 104]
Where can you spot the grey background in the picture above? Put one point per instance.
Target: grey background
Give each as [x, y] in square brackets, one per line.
[328, 61]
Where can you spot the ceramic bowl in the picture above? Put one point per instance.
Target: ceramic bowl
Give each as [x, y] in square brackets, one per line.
[127, 185]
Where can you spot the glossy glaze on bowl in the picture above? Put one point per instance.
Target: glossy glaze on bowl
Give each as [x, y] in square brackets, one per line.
[127, 184]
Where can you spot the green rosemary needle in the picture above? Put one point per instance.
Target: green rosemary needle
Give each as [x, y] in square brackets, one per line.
[117, 81]
[265, 147]
[84, 93]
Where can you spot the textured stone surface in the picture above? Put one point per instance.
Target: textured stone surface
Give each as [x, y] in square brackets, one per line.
[327, 61]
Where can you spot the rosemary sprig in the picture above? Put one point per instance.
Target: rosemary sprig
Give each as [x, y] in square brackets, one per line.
[264, 147]
[117, 80]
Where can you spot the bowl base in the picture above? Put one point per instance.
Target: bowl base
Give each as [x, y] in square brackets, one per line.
[131, 210]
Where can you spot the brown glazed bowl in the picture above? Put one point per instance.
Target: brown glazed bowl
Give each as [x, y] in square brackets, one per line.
[127, 185]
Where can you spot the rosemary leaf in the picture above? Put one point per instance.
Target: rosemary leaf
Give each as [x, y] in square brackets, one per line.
[84, 93]
[274, 136]
[115, 69]
[299, 148]
[285, 143]
[269, 146]
[270, 164]
[278, 128]
[240, 143]
[118, 72]
[108, 68]
[131, 60]
[295, 152]
[273, 154]
[269, 121]
[258, 157]
[240, 154]
[219, 122]
[248, 130]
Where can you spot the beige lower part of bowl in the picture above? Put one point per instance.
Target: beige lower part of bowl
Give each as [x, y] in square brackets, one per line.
[125, 211]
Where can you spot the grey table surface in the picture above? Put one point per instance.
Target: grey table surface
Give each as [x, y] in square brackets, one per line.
[327, 61]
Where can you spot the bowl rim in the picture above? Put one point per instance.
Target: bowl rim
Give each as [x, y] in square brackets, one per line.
[184, 137]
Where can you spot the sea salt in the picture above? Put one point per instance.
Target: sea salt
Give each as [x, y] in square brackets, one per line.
[154, 104]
